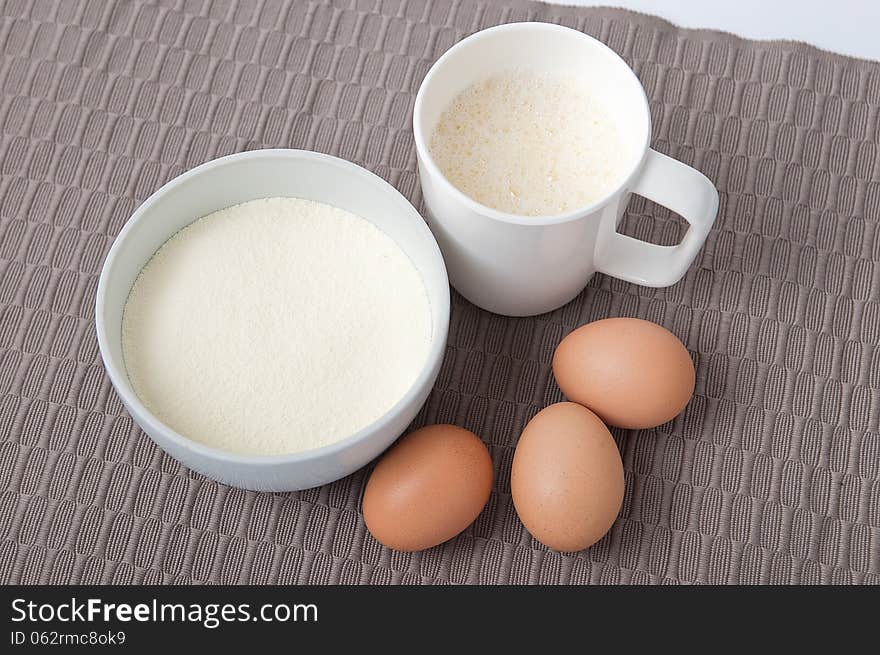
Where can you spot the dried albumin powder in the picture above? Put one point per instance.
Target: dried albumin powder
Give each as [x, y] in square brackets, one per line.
[275, 326]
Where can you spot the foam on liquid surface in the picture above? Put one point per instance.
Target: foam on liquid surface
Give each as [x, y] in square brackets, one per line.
[529, 143]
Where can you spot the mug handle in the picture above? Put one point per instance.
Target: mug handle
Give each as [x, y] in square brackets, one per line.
[678, 187]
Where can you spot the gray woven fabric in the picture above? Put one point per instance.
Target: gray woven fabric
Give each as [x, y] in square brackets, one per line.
[772, 474]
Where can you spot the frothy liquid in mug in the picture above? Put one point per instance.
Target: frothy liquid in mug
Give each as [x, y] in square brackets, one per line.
[529, 143]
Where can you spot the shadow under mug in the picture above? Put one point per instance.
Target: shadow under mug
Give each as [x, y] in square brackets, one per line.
[526, 265]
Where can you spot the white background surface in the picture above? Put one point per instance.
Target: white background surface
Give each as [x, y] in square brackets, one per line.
[850, 27]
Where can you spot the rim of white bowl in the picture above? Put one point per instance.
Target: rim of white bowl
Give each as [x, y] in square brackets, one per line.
[440, 311]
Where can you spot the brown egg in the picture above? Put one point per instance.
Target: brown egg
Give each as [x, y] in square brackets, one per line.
[429, 487]
[567, 477]
[633, 373]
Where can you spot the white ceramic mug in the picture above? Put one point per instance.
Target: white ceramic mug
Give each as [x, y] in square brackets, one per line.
[525, 265]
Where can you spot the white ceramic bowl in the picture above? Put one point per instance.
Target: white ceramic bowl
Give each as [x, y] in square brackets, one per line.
[247, 176]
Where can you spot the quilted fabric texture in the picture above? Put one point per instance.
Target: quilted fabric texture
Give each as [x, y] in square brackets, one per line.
[771, 475]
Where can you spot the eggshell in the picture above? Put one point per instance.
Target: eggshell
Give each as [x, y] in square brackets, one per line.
[427, 488]
[567, 477]
[634, 374]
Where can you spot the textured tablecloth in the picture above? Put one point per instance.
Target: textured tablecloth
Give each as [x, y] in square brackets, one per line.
[772, 474]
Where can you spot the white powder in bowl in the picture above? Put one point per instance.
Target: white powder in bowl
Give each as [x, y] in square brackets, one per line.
[275, 326]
